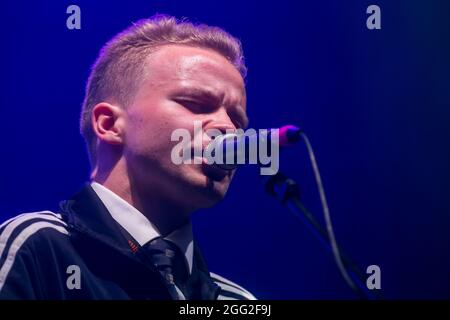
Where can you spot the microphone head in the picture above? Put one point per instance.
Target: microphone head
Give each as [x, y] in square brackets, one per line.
[230, 147]
[288, 135]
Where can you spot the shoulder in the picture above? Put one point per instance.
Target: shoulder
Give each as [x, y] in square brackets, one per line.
[26, 225]
[230, 290]
[22, 239]
[20, 231]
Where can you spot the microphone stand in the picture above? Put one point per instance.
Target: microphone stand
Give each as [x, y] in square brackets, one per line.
[287, 192]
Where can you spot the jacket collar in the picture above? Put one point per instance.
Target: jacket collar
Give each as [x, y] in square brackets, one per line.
[86, 214]
[139, 227]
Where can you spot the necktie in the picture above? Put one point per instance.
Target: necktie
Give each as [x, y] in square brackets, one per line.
[170, 262]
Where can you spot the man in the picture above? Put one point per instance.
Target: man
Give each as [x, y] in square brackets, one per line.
[127, 233]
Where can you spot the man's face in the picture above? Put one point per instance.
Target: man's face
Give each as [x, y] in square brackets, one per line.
[184, 84]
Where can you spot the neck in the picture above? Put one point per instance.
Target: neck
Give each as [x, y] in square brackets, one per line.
[166, 215]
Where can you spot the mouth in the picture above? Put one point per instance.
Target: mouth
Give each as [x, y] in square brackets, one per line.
[214, 172]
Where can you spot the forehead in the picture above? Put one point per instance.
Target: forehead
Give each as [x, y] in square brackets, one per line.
[178, 67]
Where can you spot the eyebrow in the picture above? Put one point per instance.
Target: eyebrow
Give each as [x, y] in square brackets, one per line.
[201, 93]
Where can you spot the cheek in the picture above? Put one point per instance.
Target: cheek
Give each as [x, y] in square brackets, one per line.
[150, 131]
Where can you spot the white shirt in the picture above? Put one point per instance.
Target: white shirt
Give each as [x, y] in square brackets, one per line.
[139, 227]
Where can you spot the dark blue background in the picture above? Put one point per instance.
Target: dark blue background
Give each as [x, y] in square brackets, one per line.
[375, 105]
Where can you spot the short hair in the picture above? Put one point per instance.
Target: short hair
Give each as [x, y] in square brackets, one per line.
[118, 72]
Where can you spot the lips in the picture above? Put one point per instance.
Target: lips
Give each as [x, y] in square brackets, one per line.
[214, 172]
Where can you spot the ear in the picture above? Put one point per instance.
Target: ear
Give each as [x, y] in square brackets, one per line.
[108, 123]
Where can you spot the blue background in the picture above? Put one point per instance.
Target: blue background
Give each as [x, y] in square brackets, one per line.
[375, 105]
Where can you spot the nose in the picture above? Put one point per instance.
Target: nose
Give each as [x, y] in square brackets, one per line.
[218, 124]
[215, 130]
[221, 121]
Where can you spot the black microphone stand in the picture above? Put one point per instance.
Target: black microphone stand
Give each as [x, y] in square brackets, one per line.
[287, 192]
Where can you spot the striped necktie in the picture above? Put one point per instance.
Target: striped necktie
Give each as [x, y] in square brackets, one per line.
[171, 264]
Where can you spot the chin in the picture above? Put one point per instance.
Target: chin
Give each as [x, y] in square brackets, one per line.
[205, 192]
[215, 191]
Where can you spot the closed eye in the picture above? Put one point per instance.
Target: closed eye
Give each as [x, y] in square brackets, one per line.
[196, 106]
[237, 116]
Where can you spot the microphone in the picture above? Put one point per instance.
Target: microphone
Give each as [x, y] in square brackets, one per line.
[289, 135]
[229, 150]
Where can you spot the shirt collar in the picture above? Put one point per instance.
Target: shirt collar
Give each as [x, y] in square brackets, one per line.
[139, 227]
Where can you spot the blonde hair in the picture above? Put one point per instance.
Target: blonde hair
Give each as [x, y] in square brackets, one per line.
[118, 70]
